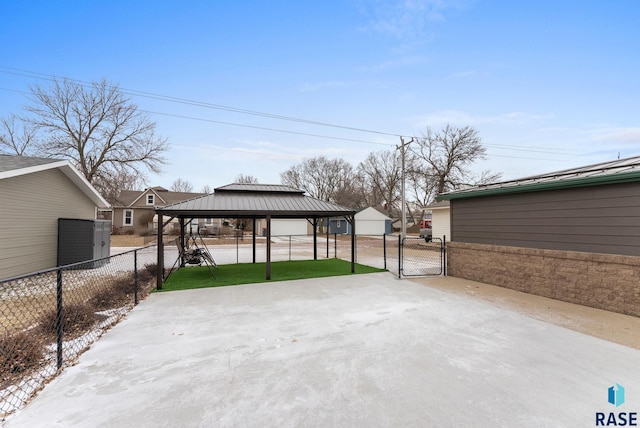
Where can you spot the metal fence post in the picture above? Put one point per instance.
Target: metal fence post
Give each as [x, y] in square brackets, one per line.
[444, 255]
[135, 277]
[289, 247]
[327, 242]
[399, 256]
[384, 250]
[237, 250]
[335, 245]
[59, 322]
[91, 284]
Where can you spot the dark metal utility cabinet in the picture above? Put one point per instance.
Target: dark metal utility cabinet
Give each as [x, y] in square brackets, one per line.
[82, 240]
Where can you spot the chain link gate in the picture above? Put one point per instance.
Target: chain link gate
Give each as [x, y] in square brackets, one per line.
[420, 258]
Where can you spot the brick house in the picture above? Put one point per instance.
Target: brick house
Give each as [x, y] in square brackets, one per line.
[571, 235]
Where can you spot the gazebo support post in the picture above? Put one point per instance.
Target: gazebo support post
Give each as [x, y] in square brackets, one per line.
[160, 263]
[352, 220]
[327, 242]
[268, 247]
[253, 240]
[315, 238]
[182, 262]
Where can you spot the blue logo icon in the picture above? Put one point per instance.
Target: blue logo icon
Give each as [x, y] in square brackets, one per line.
[616, 395]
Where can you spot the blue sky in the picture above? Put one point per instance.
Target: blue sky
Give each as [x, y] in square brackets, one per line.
[549, 85]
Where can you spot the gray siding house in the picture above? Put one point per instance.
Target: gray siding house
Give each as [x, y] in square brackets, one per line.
[34, 194]
[134, 211]
[572, 235]
[337, 225]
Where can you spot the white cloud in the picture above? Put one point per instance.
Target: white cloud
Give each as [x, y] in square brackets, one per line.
[462, 118]
[602, 134]
[404, 61]
[467, 73]
[620, 136]
[312, 87]
[407, 19]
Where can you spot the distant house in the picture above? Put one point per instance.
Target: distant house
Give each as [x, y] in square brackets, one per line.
[338, 226]
[572, 235]
[369, 221]
[286, 226]
[134, 211]
[34, 194]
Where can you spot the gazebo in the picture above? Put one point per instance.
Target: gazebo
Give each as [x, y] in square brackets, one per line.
[252, 201]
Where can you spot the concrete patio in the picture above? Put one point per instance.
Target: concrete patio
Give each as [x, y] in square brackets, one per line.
[357, 351]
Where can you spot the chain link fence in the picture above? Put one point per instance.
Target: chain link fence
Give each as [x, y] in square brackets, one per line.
[421, 258]
[412, 256]
[379, 251]
[239, 248]
[49, 318]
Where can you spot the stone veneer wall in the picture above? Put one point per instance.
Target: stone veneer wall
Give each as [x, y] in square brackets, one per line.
[605, 281]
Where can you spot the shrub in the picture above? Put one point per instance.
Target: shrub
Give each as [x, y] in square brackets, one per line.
[116, 292]
[19, 353]
[77, 318]
[148, 272]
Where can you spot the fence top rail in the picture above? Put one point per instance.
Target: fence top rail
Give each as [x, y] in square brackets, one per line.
[70, 266]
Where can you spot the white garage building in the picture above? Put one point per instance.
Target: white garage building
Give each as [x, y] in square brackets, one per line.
[370, 221]
[440, 220]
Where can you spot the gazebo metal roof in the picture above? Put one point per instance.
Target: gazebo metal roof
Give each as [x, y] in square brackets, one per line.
[254, 201]
[255, 204]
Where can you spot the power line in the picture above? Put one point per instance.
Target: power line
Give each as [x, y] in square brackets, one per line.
[51, 77]
[262, 153]
[264, 128]
[133, 92]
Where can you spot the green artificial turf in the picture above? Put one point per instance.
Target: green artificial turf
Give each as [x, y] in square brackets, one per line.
[248, 273]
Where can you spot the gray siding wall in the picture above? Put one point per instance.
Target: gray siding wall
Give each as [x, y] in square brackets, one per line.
[30, 206]
[598, 219]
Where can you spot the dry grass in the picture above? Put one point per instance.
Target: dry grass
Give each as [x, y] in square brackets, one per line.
[77, 318]
[116, 292]
[20, 313]
[148, 272]
[20, 353]
[127, 241]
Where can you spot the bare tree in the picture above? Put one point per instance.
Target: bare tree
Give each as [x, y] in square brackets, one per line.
[180, 185]
[320, 177]
[97, 127]
[114, 181]
[441, 159]
[381, 180]
[206, 189]
[16, 136]
[246, 179]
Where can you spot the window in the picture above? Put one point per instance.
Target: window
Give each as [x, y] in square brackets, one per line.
[151, 199]
[127, 218]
